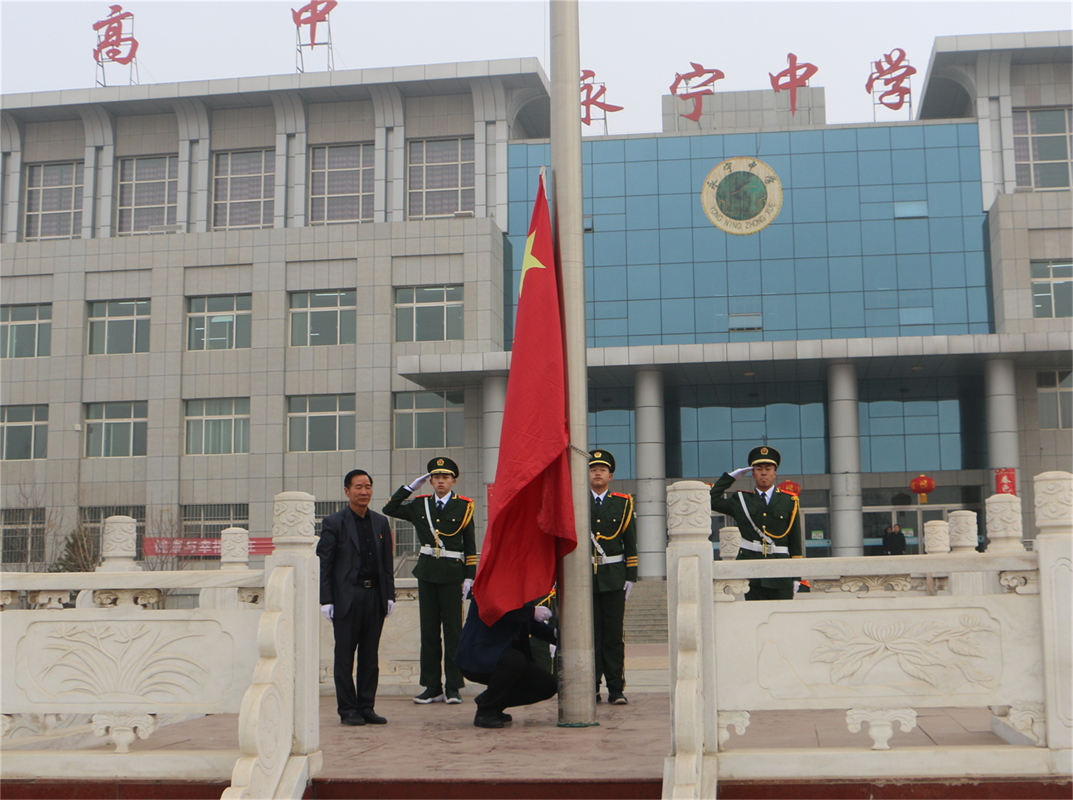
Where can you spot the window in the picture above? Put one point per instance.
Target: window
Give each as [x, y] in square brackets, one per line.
[23, 533]
[217, 427]
[324, 508]
[218, 323]
[320, 422]
[24, 431]
[406, 540]
[209, 521]
[53, 201]
[441, 178]
[746, 322]
[148, 192]
[428, 313]
[118, 326]
[429, 419]
[1041, 145]
[25, 331]
[1052, 289]
[116, 430]
[244, 190]
[1055, 392]
[341, 184]
[319, 318]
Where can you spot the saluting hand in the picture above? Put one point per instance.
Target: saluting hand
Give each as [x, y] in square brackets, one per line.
[738, 474]
[413, 487]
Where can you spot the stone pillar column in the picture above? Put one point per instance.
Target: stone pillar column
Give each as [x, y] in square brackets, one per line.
[494, 398]
[1000, 391]
[651, 502]
[1054, 543]
[844, 442]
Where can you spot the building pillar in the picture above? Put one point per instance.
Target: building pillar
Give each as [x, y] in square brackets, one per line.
[844, 442]
[494, 398]
[650, 506]
[1000, 390]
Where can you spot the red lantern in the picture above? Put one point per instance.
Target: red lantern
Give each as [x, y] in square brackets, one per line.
[789, 487]
[922, 486]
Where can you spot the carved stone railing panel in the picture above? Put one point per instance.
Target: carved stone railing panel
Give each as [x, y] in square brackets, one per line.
[1004, 524]
[49, 598]
[8, 598]
[881, 723]
[865, 584]
[738, 720]
[1020, 582]
[726, 591]
[1028, 719]
[21, 725]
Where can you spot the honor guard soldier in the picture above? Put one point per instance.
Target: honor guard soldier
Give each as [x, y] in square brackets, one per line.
[445, 570]
[614, 564]
[767, 518]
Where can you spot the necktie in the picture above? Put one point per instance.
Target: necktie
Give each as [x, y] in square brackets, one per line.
[599, 502]
[767, 498]
[439, 505]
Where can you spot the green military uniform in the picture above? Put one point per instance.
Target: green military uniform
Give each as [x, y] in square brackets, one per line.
[779, 524]
[614, 539]
[448, 556]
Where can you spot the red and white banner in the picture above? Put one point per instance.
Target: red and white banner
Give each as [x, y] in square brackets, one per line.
[187, 548]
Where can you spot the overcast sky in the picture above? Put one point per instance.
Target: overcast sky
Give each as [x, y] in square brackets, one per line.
[634, 47]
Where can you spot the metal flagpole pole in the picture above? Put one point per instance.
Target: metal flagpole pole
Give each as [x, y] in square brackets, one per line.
[577, 692]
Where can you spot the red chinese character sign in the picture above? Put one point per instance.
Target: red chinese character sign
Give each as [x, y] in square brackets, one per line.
[591, 92]
[115, 43]
[894, 70]
[1006, 480]
[695, 93]
[309, 16]
[794, 77]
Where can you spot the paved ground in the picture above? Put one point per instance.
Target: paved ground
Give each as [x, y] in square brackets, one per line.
[630, 742]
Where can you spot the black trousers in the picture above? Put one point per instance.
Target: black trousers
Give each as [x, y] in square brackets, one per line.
[359, 629]
[758, 592]
[440, 606]
[608, 618]
[516, 681]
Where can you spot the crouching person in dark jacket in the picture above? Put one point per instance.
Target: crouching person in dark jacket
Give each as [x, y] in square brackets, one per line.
[499, 657]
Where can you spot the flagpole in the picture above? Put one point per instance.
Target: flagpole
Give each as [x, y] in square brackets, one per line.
[577, 693]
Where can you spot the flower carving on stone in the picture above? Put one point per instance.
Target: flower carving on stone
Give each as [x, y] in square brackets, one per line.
[873, 583]
[918, 649]
[122, 661]
[124, 728]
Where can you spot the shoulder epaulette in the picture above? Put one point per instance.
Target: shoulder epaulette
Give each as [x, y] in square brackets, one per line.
[467, 499]
[623, 496]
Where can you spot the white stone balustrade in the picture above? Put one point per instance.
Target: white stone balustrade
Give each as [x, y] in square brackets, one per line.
[874, 645]
[123, 670]
[1004, 524]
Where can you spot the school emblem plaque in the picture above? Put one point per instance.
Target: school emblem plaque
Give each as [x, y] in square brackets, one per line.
[742, 195]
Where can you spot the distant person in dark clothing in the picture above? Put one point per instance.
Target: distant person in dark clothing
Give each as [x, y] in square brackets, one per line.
[499, 657]
[894, 541]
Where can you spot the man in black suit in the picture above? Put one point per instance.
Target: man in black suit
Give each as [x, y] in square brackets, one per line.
[767, 519]
[357, 591]
[499, 657]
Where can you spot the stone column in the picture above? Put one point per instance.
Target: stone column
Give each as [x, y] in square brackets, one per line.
[651, 503]
[1000, 390]
[844, 442]
[1054, 543]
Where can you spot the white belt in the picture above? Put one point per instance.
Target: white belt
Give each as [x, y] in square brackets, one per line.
[599, 558]
[757, 547]
[438, 553]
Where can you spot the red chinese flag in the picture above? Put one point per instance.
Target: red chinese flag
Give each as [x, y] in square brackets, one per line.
[530, 516]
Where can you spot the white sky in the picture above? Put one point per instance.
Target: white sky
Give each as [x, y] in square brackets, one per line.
[635, 47]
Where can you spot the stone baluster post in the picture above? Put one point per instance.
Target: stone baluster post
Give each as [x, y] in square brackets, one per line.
[694, 704]
[729, 543]
[936, 537]
[1054, 544]
[119, 543]
[964, 536]
[1004, 524]
[234, 557]
[295, 545]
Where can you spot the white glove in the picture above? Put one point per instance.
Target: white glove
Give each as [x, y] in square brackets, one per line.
[541, 613]
[552, 648]
[390, 607]
[413, 487]
[628, 589]
[467, 584]
[328, 611]
[741, 473]
[797, 585]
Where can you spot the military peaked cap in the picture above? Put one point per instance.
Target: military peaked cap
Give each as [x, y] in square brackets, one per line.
[765, 455]
[602, 457]
[443, 466]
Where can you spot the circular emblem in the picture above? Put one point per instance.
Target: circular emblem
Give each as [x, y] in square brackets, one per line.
[763, 451]
[439, 462]
[742, 195]
[597, 454]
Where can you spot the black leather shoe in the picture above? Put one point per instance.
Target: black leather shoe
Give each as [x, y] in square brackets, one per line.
[488, 719]
[372, 717]
[503, 715]
[353, 719]
[617, 699]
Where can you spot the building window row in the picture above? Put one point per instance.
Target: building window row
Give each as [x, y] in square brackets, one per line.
[119, 326]
[323, 318]
[341, 179]
[428, 313]
[429, 420]
[26, 330]
[1041, 146]
[1052, 289]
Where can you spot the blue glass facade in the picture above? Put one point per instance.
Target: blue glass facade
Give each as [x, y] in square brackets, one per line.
[881, 233]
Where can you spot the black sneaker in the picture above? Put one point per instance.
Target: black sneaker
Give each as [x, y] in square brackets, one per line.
[430, 696]
[617, 699]
[488, 719]
[453, 697]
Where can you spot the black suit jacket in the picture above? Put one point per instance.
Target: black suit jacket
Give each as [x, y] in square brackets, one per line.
[340, 559]
[481, 646]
